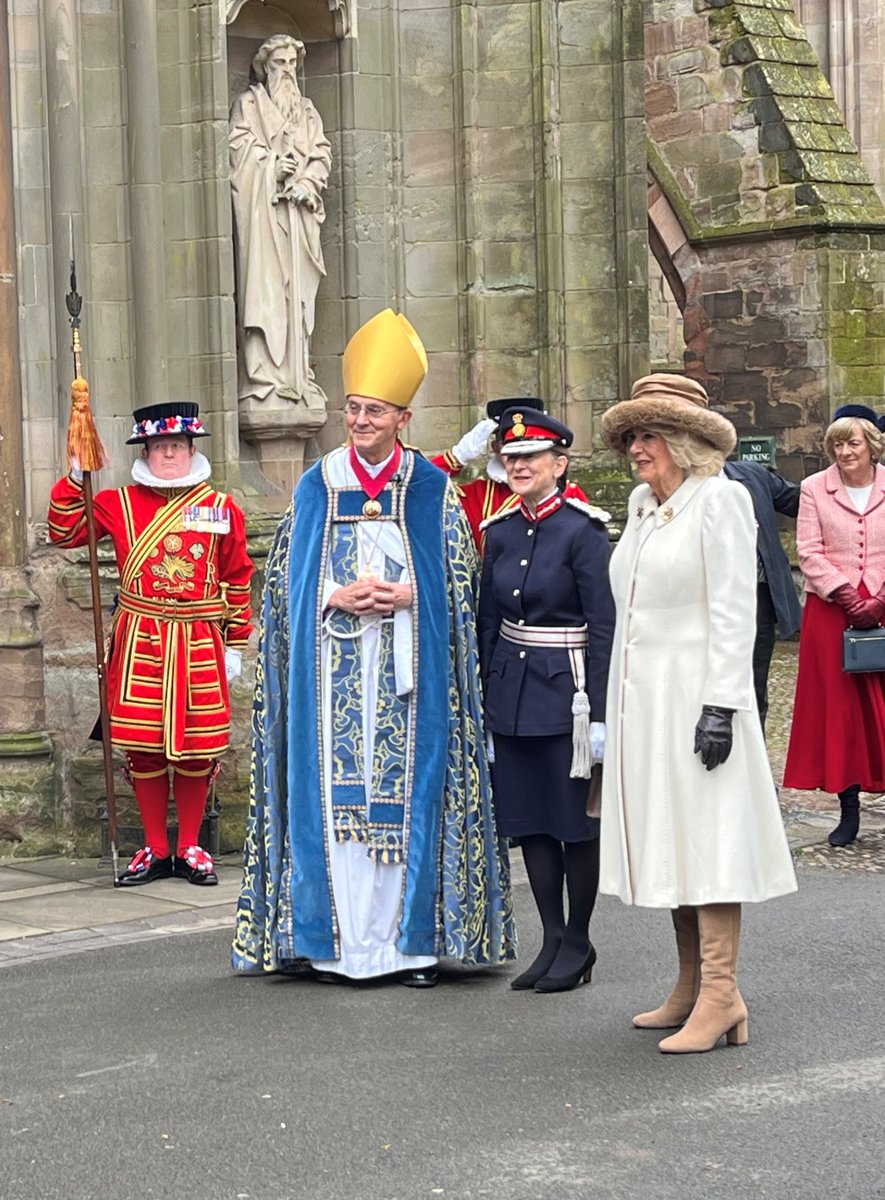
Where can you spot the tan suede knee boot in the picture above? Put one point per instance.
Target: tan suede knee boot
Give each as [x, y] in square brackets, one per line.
[680, 1002]
[720, 1007]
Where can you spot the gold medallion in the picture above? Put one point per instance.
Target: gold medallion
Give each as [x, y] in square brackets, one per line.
[372, 508]
[172, 543]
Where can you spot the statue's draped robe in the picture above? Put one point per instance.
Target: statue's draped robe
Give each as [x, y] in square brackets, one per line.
[279, 257]
[309, 861]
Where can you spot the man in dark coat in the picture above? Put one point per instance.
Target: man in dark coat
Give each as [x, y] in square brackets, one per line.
[777, 602]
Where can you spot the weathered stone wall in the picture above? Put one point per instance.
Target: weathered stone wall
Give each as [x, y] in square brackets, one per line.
[761, 204]
[76, 163]
[489, 181]
[848, 37]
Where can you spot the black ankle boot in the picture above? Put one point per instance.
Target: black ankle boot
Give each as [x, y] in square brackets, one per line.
[846, 831]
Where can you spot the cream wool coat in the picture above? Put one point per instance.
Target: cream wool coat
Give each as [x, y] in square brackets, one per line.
[684, 581]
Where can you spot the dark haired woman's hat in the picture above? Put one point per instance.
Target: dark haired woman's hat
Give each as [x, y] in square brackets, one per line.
[859, 412]
[671, 400]
[495, 409]
[166, 420]
[525, 430]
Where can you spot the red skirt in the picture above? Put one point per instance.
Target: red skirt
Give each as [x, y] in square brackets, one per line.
[838, 733]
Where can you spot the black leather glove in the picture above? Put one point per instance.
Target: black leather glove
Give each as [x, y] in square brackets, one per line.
[713, 736]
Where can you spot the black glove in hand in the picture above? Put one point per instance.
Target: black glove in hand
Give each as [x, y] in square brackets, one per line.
[713, 736]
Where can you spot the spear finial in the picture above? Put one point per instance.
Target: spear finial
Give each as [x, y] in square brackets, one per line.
[84, 444]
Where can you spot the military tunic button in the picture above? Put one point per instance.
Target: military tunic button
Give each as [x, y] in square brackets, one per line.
[521, 621]
[522, 654]
[529, 532]
[524, 562]
[516, 591]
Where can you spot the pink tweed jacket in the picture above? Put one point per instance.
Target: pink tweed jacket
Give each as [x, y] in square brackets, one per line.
[836, 544]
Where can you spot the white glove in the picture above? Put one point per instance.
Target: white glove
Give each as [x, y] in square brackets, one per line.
[233, 663]
[475, 442]
[597, 741]
[76, 473]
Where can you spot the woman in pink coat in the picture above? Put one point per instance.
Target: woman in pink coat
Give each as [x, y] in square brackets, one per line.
[837, 741]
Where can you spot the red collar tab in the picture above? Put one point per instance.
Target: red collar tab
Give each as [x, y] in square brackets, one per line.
[374, 485]
[545, 509]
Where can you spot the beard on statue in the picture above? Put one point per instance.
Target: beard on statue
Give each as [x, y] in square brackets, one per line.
[283, 90]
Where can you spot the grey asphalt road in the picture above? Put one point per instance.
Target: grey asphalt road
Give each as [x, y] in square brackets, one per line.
[149, 1071]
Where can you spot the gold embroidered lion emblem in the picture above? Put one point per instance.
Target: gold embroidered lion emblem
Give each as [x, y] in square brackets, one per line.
[175, 572]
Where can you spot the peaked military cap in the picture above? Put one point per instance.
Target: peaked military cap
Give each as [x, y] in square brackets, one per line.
[524, 430]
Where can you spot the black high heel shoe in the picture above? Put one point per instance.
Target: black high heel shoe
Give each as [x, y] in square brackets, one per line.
[565, 983]
[538, 969]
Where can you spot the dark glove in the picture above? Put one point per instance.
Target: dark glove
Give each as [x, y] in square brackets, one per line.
[846, 595]
[862, 613]
[713, 736]
[866, 613]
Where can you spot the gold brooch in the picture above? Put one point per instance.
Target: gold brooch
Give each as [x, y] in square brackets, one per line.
[372, 509]
[640, 512]
[666, 513]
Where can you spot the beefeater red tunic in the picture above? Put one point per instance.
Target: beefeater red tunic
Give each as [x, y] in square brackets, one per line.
[184, 596]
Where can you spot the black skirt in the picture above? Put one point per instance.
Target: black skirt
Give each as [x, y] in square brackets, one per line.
[534, 792]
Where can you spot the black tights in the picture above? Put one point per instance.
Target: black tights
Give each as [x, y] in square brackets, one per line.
[549, 863]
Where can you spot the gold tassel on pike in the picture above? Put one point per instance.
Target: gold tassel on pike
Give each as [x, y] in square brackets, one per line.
[84, 444]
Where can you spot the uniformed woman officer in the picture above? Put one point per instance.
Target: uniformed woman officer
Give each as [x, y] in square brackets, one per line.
[546, 620]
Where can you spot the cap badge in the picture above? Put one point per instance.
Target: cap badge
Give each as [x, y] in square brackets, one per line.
[518, 428]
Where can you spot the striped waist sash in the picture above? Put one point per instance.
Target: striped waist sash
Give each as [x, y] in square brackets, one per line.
[555, 637]
[572, 638]
[172, 610]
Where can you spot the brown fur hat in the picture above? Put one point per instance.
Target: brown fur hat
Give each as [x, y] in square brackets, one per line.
[674, 401]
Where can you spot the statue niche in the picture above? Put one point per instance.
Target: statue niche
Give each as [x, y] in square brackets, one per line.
[280, 160]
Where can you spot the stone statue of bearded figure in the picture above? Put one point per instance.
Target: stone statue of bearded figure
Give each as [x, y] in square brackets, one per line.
[280, 161]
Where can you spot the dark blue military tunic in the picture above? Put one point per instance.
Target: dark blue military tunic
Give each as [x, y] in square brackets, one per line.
[552, 572]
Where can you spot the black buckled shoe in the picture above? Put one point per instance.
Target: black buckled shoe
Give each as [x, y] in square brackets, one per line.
[426, 977]
[145, 867]
[196, 866]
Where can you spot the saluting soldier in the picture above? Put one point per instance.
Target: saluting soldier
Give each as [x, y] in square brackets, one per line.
[182, 617]
[546, 620]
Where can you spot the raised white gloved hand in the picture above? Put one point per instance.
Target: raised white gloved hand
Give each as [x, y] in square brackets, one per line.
[475, 442]
[76, 473]
[233, 663]
[597, 741]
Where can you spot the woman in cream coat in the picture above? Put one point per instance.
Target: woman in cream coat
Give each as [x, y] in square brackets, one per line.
[690, 819]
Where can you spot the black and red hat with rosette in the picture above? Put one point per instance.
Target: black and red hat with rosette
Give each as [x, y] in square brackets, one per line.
[166, 420]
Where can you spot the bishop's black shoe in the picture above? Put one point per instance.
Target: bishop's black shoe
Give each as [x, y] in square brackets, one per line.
[144, 867]
[426, 977]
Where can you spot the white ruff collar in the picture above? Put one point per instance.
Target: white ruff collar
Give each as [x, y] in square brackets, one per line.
[495, 470]
[200, 471]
